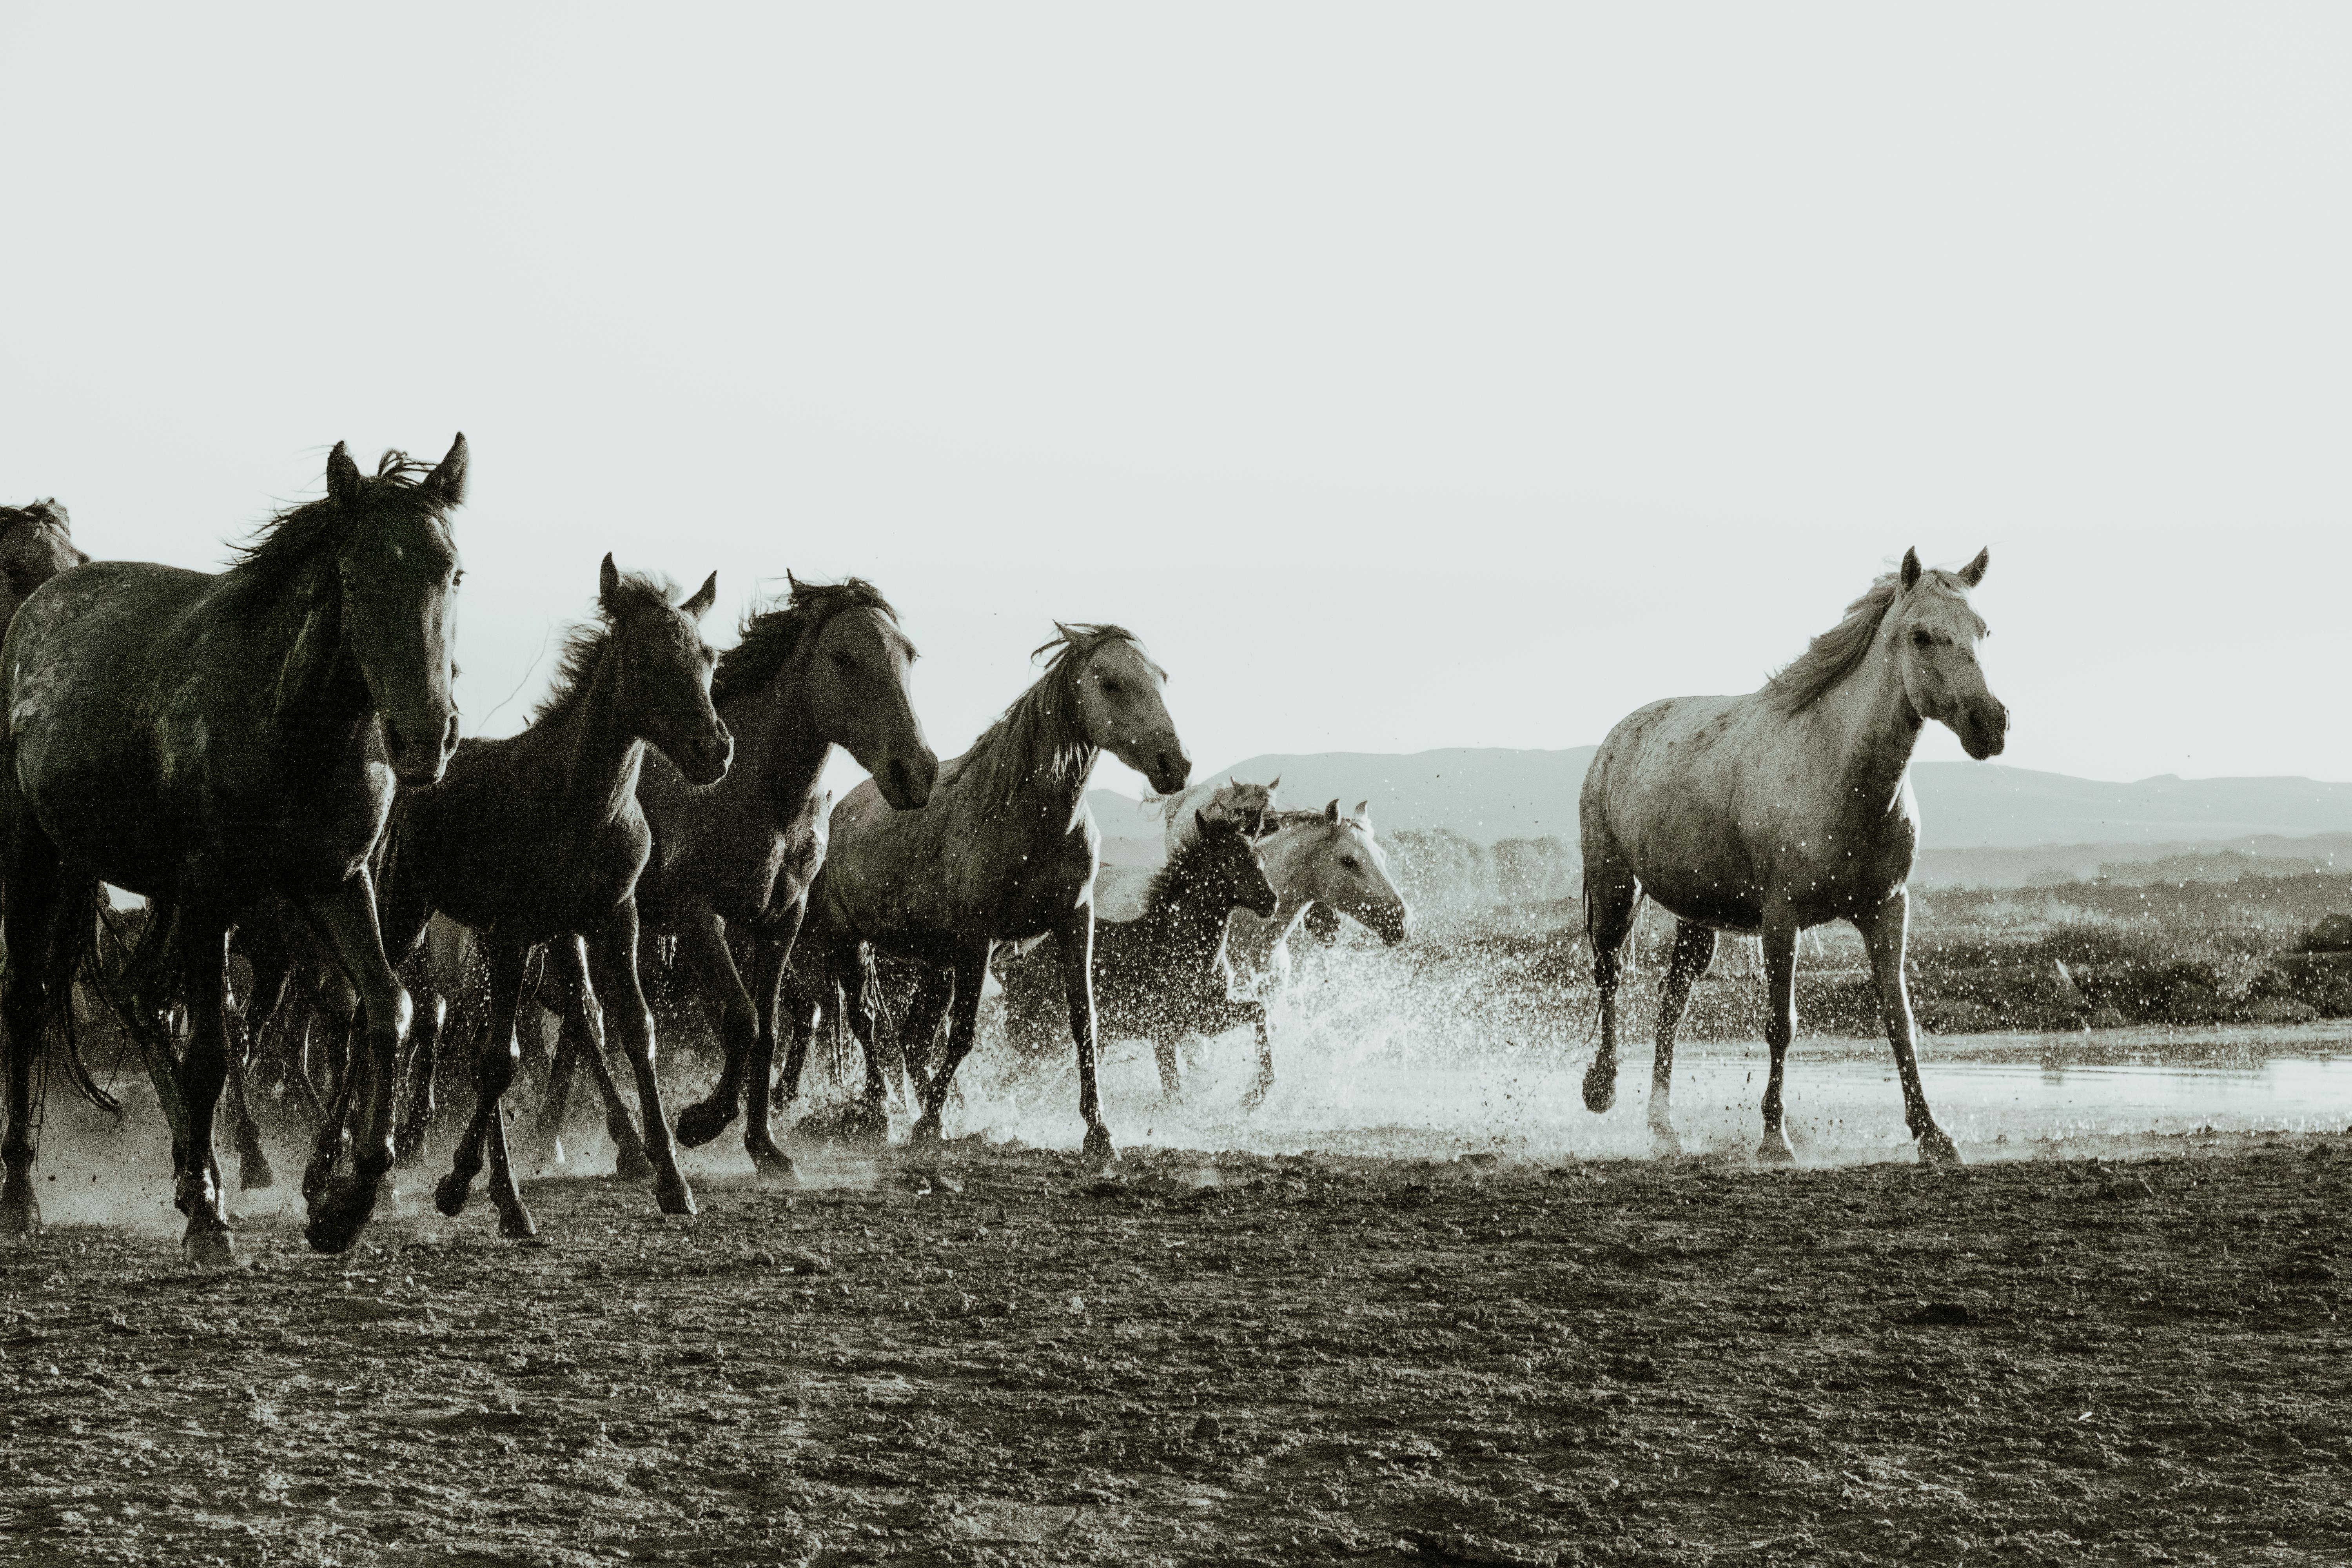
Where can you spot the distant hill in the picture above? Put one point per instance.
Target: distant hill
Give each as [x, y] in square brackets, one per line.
[1489, 794]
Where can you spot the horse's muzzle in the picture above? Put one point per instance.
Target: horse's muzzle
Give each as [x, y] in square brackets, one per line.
[419, 767]
[906, 784]
[1171, 770]
[1389, 923]
[706, 756]
[1984, 731]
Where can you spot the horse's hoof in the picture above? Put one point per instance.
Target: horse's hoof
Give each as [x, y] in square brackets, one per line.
[451, 1192]
[20, 1211]
[769, 1163]
[515, 1222]
[700, 1123]
[341, 1215]
[1664, 1142]
[630, 1164]
[1601, 1087]
[207, 1246]
[1935, 1148]
[316, 1175]
[1776, 1149]
[1098, 1148]
[673, 1194]
[253, 1171]
[1254, 1095]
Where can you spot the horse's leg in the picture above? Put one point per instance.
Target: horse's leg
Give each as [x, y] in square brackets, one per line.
[582, 1040]
[1250, 1008]
[702, 945]
[938, 991]
[1883, 933]
[969, 968]
[1074, 940]
[771, 948]
[612, 968]
[203, 1074]
[346, 919]
[495, 1056]
[416, 1105]
[1779, 1024]
[797, 1013]
[34, 882]
[871, 1118]
[1610, 896]
[1693, 951]
[253, 1171]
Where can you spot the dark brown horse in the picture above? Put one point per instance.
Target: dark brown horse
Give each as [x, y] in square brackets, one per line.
[826, 668]
[1162, 976]
[210, 742]
[538, 837]
[1005, 851]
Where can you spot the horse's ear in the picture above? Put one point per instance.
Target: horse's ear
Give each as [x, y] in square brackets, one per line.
[1275, 785]
[448, 481]
[608, 583]
[1910, 569]
[1201, 820]
[1363, 812]
[342, 476]
[1973, 573]
[1331, 812]
[704, 598]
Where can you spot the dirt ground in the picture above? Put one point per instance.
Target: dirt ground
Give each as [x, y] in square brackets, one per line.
[986, 1354]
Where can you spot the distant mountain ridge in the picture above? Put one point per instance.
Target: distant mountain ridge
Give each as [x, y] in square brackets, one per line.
[1486, 794]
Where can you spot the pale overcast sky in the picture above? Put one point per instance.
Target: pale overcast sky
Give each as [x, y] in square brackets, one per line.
[1407, 377]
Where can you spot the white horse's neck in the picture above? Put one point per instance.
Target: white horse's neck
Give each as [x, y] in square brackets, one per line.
[1867, 722]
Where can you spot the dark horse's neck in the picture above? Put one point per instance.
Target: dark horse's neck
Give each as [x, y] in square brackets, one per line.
[780, 754]
[321, 711]
[604, 754]
[1182, 916]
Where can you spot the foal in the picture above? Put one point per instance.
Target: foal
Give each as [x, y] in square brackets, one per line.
[538, 837]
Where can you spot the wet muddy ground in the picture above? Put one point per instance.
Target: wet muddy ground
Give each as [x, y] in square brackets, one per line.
[987, 1354]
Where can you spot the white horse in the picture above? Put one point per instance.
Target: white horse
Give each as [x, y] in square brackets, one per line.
[1782, 809]
[1317, 858]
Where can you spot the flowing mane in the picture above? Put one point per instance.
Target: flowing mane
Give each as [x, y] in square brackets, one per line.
[769, 635]
[296, 537]
[1837, 652]
[1040, 735]
[584, 645]
[1168, 882]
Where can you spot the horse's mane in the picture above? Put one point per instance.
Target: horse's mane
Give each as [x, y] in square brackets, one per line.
[1306, 817]
[1835, 654]
[295, 537]
[769, 635]
[1169, 879]
[1039, 736]
[35, 513]
[584, 645]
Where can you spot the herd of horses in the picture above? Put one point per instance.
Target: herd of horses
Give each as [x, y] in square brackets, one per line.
[269, 757]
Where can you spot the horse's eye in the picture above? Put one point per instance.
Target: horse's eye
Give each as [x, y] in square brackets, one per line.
[1921, 638]
[1110, 688]
[458, 578]
[842, 661]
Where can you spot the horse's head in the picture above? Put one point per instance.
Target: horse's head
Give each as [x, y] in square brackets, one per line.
[1229, 872]
[1933, 634]
[398, 571]
[1345, 870]
[1247, 803]
[664, 668]
[1122, 711]
[35, 544]
[857, 686]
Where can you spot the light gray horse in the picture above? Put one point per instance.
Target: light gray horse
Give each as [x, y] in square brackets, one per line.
[1785, 808]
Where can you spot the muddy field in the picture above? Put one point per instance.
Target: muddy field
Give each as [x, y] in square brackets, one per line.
[991, 1355]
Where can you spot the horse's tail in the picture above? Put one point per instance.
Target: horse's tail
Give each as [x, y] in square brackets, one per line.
[73, 948]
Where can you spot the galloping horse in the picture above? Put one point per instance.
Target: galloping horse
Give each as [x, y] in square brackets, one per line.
[1163, 976]
[35, 544]
[1006, 850]
[826, 668]
[210, 741]
[1786, 808]
[538, 837]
